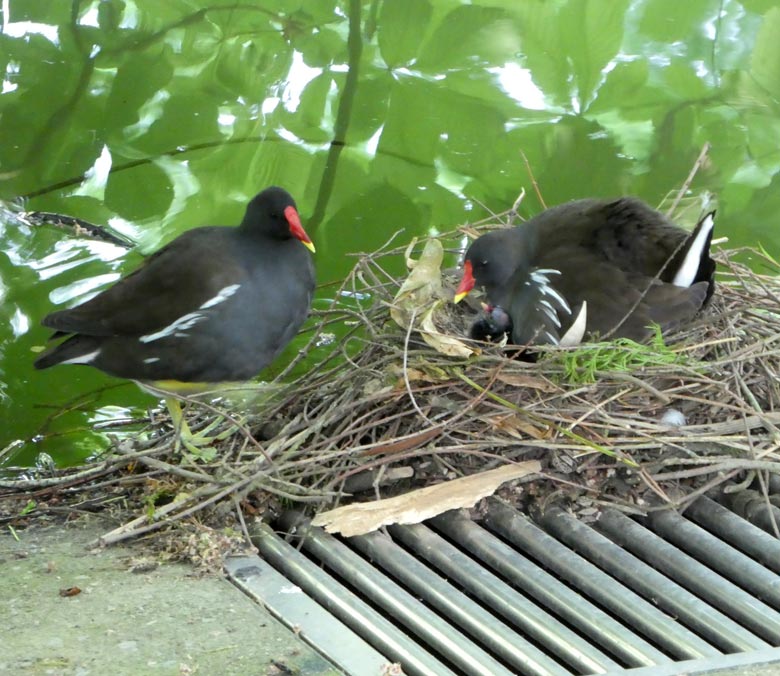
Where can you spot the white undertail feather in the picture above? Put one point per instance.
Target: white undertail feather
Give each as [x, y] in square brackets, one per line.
[690, 266]
[83, 359]
[576, 331]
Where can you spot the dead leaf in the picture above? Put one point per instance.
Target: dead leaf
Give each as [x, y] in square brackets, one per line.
[405, 443]
[523, 380]
[520, 429]
[421, 295]
[422, 286]
[418, 372]
[421, 504]
[442, 342]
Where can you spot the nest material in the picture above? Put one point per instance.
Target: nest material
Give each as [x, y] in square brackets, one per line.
[384, 407]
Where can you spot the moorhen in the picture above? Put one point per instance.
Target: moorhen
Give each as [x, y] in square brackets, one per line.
[217, 304]
[596, 268]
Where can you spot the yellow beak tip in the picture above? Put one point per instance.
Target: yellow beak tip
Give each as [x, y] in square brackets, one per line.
[459, 297]
[310, 246]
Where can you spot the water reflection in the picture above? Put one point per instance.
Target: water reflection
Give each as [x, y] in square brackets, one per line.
[156, 118]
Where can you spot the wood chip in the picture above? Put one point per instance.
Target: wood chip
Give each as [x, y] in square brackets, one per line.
[424, 503]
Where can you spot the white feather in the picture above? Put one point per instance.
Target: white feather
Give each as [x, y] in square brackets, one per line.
[221, 297]
[549, 291]
[576, 331]
[550, 312]
[690, 266]
[83, 359]
[177, 328]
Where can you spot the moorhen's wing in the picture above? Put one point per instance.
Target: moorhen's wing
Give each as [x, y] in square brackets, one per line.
[536, 307]
[630, 311]
[170, 284]
[635, 237]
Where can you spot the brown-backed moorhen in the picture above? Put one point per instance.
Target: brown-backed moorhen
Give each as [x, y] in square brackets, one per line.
[596, 268]
[217, 304]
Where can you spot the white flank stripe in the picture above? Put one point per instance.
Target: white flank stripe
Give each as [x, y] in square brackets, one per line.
[690, 266]
[549, 291]
[222, 296]
[576, 331]
[550, 312]
[179, 327]
[83, 359]
[182, 323]
[151, 360]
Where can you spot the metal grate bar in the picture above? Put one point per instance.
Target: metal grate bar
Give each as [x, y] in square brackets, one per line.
[604, 589]
[546, 589]
[484, 626]
[396, 602]
[310, 621]
[734, 529]
[669, 596]
[689, 573]
[754, 507]
[345, 605]
[716, 554]
[532, 619]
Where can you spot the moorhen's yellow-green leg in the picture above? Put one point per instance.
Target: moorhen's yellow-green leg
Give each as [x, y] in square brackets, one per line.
[198, 444]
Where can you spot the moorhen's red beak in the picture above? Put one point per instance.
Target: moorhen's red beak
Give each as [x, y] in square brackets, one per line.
[296, 229]
[466, 284]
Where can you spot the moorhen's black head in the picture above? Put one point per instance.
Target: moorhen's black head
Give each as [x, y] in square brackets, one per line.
[273, 213]
[492, 260]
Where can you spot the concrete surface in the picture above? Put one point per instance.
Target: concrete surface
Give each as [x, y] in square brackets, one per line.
[159, 622]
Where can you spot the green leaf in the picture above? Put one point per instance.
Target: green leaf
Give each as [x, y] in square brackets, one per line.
[137, 80]
[592, 32]
[141, 193]
[624, 83]
[401, 25]
[671, 20]
[29, 507]
[758, 6]
[470, 35]
[681, 80]
[309, 120]
[550, 69]
[765, 64]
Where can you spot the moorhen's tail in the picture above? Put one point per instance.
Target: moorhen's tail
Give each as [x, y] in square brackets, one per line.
[78, 349]
[692, 264]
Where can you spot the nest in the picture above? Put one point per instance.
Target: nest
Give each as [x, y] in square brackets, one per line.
[389, 407]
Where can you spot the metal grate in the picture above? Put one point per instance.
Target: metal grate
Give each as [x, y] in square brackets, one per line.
[510, 595]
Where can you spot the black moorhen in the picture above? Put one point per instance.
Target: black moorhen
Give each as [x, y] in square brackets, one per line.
[597, 268]
[217, 304]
